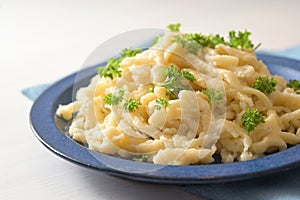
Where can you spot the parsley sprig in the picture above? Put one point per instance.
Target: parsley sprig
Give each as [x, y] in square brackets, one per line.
[171, 27]
[129, 53]
[112, 67]
[294, 84]
[156, 39]
[251, 118]
[188, 75]
[112, 100]
[193, 42]
[265, 84]
[214, 95]
[142, 158]
[151, 90]
[176, 81]
[240, 40]
[174, 27]
[161, 102]
[131, 105]
[191, 45]
[206, 40]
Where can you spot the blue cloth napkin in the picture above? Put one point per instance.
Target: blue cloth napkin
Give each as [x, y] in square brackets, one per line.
[34, 91]
[282, 186]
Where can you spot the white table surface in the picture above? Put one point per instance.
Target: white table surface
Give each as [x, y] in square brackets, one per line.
[42, 41]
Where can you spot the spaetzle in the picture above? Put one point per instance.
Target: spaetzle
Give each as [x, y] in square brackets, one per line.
[177, 124]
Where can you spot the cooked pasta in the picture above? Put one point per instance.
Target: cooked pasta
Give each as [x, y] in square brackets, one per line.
[139, 114]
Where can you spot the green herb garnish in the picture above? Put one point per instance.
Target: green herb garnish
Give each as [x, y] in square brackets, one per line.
[214, 95]
[161, 102]
[188, 75]
[112, 100]
[174, 82]
[151, 90]
[241, 40]
[238, 40]
[131, 105]
[171, 27]
[251, 118]
[129, 53]
[206, 41]
[265, 84]
[188, 43]
[142, 158]
[174, 27]
[156, 39]
[112, 67]
[294, 84]
[111, 70]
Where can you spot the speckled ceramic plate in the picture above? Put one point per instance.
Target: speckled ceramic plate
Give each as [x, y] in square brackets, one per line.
[50, 131]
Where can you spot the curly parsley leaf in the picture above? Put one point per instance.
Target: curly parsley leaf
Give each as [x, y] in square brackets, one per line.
[131, 105]
[111, 70]
[206, 41]
[294, 84]
[171, 27]
[175, 81]
[156, 39]
[129, 53]
[174, 27]
[188, 75]
[151, 90]
[214, 95]
[161, 102]
[265, 84]
[112, 100]
[239, 40]
[188, 43]
[112, 67]
[142, 158]
[251, 118]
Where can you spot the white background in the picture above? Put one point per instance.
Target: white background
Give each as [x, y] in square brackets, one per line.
[42, 41]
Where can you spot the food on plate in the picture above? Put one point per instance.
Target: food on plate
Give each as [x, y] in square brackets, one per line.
[186, 99]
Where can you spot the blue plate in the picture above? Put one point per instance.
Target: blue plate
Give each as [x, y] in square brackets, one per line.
[50, 130]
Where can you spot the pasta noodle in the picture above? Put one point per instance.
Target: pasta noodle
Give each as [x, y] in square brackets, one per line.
[190, 128]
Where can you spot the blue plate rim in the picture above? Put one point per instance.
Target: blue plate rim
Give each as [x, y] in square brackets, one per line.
[43, 125]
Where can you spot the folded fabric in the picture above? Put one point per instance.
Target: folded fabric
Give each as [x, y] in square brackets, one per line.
[280, 186]
[33, 92]
[293, 52]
